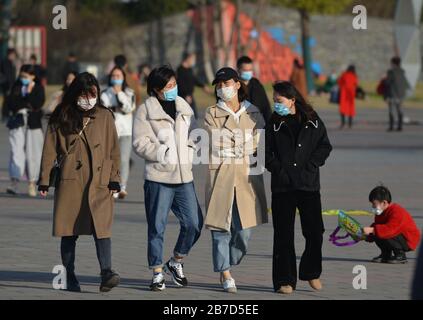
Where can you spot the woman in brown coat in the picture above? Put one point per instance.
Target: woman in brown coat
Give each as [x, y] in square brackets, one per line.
[82, 137]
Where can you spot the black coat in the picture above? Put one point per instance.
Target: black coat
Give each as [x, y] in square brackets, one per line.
[33, 102]
[258, 97]
[294, 165]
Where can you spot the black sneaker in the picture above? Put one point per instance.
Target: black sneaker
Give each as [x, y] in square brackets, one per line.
[158, 282]
[398, 258]
[109, 280]
[383, 258]
[72, 283]
[176, 270]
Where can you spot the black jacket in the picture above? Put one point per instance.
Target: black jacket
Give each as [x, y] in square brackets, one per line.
[258, 97]
[295, 165]
[187, 81]
[33, 102]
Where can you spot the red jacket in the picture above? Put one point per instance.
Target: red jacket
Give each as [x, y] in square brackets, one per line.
[395, 221]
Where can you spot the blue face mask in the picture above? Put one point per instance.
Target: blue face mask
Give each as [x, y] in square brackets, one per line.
[246, 75]
[116, 82]
[171, 94]
[25, 82]
[281, 109]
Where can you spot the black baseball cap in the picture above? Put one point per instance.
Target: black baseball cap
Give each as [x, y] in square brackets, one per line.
[225, 74]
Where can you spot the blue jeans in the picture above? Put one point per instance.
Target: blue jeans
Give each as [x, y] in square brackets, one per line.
[160, 198]
[230, 247]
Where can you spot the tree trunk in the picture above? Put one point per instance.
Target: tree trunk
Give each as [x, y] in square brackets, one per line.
[305, 38]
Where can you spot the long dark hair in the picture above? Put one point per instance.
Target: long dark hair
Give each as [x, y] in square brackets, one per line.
[67, 116]
[305, 111]
[125, 84]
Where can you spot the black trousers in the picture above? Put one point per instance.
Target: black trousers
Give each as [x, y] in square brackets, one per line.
[103, 249]
[284, 207]
[399, 243]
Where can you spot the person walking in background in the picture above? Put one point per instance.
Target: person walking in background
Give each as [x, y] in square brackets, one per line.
[235, 197]
[348, 83]
[24, 104]
[71, 65]
[297, 145]
[396, 90]
[187, 81]
[82, 137]
[143, 72]
[56, 98]
[256, 92]
[131, 79]
[161, 137]
[121, 100]
[298, 78]
[7, 78]
[40, 71]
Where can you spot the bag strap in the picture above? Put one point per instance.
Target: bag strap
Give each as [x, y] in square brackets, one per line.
[73, 145]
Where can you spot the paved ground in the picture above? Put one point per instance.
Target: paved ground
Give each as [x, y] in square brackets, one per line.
[362, 158]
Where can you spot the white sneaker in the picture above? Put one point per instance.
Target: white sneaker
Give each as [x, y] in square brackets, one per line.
[158, 282]
[229, 286]
[32, 190]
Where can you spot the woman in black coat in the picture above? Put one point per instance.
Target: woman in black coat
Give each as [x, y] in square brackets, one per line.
[26, 137]
[297, 145]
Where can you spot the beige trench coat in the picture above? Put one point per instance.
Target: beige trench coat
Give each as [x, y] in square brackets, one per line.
[72, 215]
[228, 180]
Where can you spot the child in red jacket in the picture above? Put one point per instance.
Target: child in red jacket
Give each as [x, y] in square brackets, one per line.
[394, 230]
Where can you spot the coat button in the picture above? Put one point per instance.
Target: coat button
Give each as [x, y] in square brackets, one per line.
[99, 168]
[306, 127]
[295, 164]
[300, 145]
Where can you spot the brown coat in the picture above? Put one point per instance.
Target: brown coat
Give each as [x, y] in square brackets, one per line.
[74, 208]
[231, 179]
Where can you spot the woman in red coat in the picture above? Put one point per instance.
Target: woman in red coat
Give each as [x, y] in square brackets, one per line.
[348, 83]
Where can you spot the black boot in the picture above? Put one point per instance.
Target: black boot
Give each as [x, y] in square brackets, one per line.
[399, 257]
[72, 283]
[109, 280]
[400, 122]
[391, 123]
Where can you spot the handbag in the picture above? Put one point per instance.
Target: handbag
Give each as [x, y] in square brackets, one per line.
[54, 177]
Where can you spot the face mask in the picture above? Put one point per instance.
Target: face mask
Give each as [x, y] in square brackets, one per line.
[227, 93]
[377, 211]
[85, 104]
[246, 75]
[25, 81]
[171, 94]
[281, 109]
[116, 82]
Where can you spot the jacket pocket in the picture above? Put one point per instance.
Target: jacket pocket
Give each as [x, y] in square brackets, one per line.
[68, 168]
[106, 170]
[164, 167]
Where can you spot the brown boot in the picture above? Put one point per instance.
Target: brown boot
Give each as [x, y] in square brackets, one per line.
[285, 290]
[316, 284]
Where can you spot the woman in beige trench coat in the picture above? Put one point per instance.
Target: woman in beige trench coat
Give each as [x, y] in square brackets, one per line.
[82, 137]
[235, 194]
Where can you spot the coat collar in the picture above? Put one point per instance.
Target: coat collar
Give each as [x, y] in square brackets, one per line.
[156, 112]
[221, 112]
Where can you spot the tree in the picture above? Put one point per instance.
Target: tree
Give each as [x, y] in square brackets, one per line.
[305, 8]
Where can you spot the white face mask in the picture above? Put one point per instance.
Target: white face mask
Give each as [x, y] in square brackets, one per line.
[85, 104]
[227, 93]
[377, 211]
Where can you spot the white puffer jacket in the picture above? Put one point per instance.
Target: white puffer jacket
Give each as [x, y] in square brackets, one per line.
[124, 104]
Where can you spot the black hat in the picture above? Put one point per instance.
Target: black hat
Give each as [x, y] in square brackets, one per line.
[225, 74]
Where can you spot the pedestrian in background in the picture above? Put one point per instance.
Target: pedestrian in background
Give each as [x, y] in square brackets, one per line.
[7, 77]
[24, 105]
[121, 100]
[56, 97]
[348, 83]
